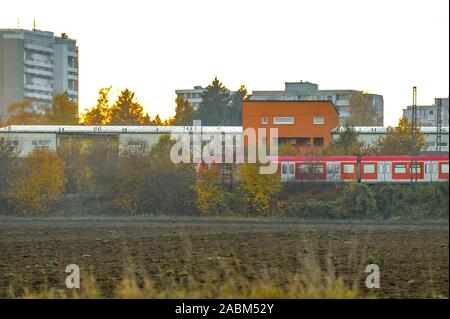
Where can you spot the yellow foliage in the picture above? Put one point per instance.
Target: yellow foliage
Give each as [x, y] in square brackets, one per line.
[259, 190]
[39, 182]
[210, 195]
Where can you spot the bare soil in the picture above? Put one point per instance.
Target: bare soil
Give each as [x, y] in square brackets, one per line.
[413, 260]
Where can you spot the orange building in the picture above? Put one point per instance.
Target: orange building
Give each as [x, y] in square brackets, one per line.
[301, 123]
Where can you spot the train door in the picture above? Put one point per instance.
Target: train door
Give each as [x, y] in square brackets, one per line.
[333, 172]
[431, 171]
[288, 171]
[381, 172]
[388, 171]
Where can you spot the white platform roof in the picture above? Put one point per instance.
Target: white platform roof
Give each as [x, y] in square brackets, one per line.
[118, 129]
[382, 130]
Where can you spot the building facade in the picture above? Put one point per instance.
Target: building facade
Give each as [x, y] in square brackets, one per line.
[35, 65]
[342, 99]
[427, 114]
[304, 124]
[193, 96]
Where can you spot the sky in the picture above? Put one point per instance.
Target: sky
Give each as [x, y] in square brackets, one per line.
[154, 47]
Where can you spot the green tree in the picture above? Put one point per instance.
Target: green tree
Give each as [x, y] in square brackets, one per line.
[100, 113]
[357, 201]
[215, 104]
[184, 113]
[234, 117]
[126, 110]
[346, 143]
[399, 140]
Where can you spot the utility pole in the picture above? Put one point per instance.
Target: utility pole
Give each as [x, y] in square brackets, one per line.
[438, 124]
[413, 166]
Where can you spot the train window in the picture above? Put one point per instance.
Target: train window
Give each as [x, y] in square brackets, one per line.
[427, 168]
[303, 168]
[349, 168]
[284, 169]
[381, 168]
[388, 168]
[435, 170]
[400, 168]
[291, 169]
[330, 169]
[415, 169]
[444, 168]
[318, 169]
[369, 168]
[336, 168]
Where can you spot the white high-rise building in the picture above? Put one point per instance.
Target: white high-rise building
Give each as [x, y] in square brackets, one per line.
[35, 65]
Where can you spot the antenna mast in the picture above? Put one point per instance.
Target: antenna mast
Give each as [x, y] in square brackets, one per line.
[438, 124]
[414, 165]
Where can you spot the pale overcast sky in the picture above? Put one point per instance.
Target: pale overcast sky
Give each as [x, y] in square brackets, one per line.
[155, 47]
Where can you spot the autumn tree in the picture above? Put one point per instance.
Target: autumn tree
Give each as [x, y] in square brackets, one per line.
[169, 187]
[127, 110]
[259, 191]
[27, 112]
[63, 111]
[100, 113]
[346, 143]
[184, 113]
[76, 169]
[215, 104]
[399, 140]
[362, 111]
[39, 182]
[211, 196]
[7, 164]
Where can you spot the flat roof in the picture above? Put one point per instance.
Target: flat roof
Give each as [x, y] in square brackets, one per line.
[116, 129]
[383, 130]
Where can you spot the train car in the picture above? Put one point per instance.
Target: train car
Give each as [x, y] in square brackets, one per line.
[345, 169]
[365, 169]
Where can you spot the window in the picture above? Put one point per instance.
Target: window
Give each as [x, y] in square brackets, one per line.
[369, 168]
[381, 168]
[435, 169]
[319, 120]
[318, 141]
[318, 169]
[291, 169]
[303, 169]
[264, 120]
[388, 168]
[415, 169]
[444, 168]
[330, 169]
[284, 169]
[283, 120]
[349, 169]
[400, 168]
[41, 144]
[336, 168]
[427, 168]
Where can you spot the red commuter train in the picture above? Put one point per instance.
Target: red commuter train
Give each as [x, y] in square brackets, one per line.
[364, 169]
